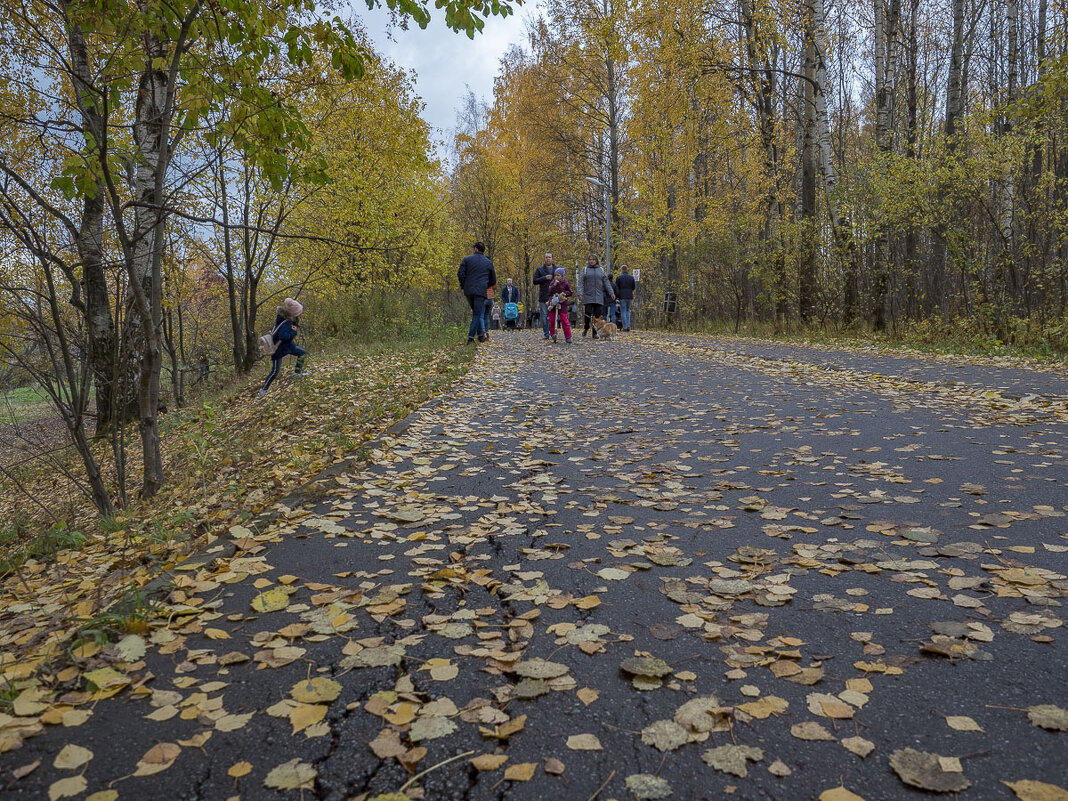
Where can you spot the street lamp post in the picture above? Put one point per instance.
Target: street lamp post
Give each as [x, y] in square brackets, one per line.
[607, 222]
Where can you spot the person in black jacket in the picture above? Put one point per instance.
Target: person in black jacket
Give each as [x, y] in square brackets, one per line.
[543, 276]
[625, 284]
[610, 308]
[476, 275]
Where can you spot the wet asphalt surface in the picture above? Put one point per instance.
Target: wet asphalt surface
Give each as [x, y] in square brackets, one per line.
[762, 512]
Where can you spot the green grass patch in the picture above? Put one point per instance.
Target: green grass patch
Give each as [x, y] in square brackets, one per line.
[23, 404]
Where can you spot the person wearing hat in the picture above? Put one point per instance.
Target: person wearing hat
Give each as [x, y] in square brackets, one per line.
[286, 324]
[559, 291]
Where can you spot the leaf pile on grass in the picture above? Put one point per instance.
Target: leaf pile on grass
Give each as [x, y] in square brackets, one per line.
[226, 461]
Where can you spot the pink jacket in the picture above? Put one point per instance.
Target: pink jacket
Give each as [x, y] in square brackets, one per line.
[560, 286]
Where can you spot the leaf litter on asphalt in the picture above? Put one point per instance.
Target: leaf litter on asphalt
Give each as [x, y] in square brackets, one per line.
[717, 546]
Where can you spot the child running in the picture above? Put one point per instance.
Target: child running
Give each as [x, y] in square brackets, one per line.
[559, 291]
[285, 331]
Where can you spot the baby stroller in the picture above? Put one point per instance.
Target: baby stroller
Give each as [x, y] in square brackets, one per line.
[511, 315]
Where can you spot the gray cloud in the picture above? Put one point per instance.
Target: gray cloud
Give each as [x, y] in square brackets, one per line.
[445, 63]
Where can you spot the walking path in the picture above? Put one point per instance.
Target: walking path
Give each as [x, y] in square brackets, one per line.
[618, 570]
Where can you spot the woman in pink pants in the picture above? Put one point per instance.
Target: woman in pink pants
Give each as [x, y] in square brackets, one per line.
[559, 291]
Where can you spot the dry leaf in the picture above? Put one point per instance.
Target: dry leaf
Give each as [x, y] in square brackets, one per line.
[388, 744]
[962, 723]
[291, 775]
[430, 728]
[157, 759]
[732, 758]
[72, 757]
[779, 768]
[1029, 790]
[588, 696]
[271, 600]
[584, 742]
[699, 714]
[766, 707]
[319, 690]
[539, 669]
[647, 787]
[302, 716]
[65, 788]
[554, 766]
[839, 794]
[232, 722]
[521, 772]
[239, 769]
[665, 735]
[1048, 716]
[25, 770]
[811, 730]
[646, 666]
[489, 761]
[922, 769]
[858, 746]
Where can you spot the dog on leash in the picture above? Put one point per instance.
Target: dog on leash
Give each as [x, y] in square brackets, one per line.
[603, 329]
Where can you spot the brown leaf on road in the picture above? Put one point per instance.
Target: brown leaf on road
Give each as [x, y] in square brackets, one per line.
[488, 761]
[520, 772]
[732, 758]
[924, 770]
[1029, 790]
[839, 794]
[157, 759]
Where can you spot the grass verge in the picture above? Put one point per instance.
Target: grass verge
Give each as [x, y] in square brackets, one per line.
[228, 457]
[919, 339]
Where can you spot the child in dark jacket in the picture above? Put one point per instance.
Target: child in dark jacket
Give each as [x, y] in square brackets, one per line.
[559, 291]
[286, 324]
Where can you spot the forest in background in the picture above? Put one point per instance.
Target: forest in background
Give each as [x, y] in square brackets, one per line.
[888, 165]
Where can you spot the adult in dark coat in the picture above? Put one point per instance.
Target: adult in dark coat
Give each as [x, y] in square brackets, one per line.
[476, 275]
[543, 276]
[625, 285]
[610, 308]
[510, 293]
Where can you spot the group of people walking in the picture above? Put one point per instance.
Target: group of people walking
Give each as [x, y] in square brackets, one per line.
[597, 292]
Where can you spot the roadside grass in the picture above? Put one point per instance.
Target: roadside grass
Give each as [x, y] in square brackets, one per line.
[924, 338]
[23, 404]
[228, 457]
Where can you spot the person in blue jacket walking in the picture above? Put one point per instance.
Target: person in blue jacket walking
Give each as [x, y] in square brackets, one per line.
[286, 325]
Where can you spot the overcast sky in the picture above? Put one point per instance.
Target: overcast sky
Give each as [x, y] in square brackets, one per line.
[446, 63]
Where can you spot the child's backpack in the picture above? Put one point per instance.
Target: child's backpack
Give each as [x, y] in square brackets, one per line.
[511, 311]
[268, 345]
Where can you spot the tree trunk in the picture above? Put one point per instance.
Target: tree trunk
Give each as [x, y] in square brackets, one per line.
[954, 84]
[145, 253]
[887, 19]
[806, 290]
[99, 321]
[762, 68]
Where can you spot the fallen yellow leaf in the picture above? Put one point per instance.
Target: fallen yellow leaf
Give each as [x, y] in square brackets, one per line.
[522, 772]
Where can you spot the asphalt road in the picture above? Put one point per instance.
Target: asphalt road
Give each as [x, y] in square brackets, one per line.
[818, 546]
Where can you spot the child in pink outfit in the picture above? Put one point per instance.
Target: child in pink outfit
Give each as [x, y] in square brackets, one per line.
[559, 291]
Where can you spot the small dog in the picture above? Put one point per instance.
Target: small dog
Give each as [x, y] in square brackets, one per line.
[603, 329]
